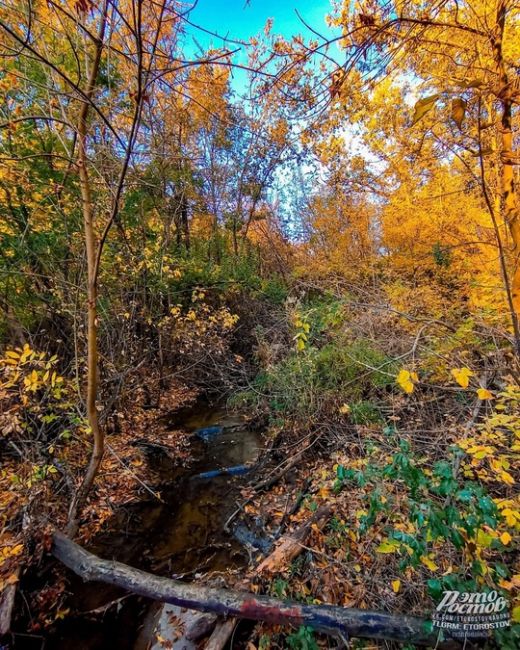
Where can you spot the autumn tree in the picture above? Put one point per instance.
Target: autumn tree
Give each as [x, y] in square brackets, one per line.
[463, 58]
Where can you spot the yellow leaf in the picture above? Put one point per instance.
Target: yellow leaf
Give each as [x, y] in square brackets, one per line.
[32, 382]
[344, 409]
[511, 516]
[26, 353]
[406, 379]
[506, 478]
[462, 375]
[396, 586]
[428, 562]
[505, 538]
[15, 550]
[484, 393]
[515, 614]
[422, 106]
[458, 111]
[62, 613]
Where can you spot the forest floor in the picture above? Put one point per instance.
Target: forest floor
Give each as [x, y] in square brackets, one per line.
[418, 475]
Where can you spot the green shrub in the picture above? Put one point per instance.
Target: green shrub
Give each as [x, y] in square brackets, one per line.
[305, 383]
[365, 412]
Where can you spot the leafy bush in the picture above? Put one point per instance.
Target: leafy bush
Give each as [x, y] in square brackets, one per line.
[315, 380]
[454, 520]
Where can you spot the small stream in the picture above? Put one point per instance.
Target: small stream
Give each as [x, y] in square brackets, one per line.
[179, 537]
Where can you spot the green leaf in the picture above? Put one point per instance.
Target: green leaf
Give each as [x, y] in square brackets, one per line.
[435, 588]
[457, 539]
[428, 627]
[423, 106]
[458, 111]
[388, 546]
[501, 570]
[465, 495]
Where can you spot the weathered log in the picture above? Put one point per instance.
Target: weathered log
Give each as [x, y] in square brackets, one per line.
[221, 634]
[290, 545]
[178, 628]
[7, 597]
[328, 619]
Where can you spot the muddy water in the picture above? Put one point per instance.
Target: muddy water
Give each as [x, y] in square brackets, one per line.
[181, 537]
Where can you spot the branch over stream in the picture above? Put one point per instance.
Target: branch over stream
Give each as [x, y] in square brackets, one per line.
[323, 618]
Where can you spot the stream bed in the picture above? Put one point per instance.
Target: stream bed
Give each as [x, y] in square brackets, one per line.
[180, 537]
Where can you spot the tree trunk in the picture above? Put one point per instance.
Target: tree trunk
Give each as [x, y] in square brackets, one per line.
[328, 619]
[78, 499]
[509, 196]
[510, 200]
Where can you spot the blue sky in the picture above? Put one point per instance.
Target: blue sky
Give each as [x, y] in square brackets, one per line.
[242, 19]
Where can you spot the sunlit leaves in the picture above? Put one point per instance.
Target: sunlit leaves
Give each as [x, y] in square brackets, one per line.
[423, 106]
[32, 381]
[302, 333]
[458, 111]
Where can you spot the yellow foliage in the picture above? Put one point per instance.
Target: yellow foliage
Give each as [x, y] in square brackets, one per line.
[407, 380]
[428, 562]
[462, 376]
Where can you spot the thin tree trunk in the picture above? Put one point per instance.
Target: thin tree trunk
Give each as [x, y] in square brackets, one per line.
[508, 190]
[510, 199]
[96, 457]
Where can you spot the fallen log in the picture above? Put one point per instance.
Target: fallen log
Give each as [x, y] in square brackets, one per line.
[221, 634]
[290, 545]
[328, 619]
[7, 598]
